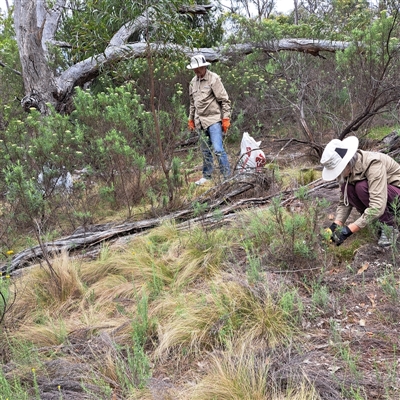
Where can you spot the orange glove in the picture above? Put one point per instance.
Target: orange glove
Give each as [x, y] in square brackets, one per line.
[191, 125]
[226, 123]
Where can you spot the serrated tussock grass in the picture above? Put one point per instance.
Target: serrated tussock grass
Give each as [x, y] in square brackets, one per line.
[212, 315]
[38, 291]
[246, 373]
[168, 293]
[203, 255]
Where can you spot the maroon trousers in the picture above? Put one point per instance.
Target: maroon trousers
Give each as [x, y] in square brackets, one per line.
[358, 196]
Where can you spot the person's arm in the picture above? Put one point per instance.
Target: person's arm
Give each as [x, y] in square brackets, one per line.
[222, 98]
[353, 227]
[192, 109]
[342, 211]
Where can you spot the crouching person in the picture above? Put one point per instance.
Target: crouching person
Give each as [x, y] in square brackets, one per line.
[369, 182]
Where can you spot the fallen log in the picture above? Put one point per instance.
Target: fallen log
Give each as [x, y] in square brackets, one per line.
[221, 198]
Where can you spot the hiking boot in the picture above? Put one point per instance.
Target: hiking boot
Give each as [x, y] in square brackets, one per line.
[201, 181]
[388, 236]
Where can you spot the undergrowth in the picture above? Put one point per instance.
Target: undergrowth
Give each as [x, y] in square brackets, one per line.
[231, 307]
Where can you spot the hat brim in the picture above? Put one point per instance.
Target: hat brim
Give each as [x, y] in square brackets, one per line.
[198, 66]
[351, 143]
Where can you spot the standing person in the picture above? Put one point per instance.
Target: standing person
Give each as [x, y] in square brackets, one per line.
[370, 182]
[209, 112]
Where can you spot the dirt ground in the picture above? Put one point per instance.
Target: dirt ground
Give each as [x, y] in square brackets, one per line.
[365, 287]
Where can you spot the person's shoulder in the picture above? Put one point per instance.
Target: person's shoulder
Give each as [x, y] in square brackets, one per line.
[373, 157]
[192, 81]
[369, 154]
[211, 73]
[212, 76]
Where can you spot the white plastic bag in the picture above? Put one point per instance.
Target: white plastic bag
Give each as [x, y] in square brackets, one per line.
[251, 156]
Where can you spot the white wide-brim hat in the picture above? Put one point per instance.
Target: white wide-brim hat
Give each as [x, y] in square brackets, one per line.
[337, 155]
[198, 61]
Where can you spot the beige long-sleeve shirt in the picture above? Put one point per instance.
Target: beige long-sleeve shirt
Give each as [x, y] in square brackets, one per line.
[209, 101]
[379, 170]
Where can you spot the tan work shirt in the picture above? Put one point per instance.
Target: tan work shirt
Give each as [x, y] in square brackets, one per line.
[209, 101]
[379, 170]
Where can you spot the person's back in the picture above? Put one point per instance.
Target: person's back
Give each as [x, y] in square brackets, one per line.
[370, 163]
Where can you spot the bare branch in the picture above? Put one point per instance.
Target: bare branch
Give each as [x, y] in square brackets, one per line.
[197, 9]
[11, 69]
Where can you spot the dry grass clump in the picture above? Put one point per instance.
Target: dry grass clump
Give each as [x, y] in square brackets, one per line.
[142, 264]
[50, 332]
[244, 373]
[137, 263]
[203, 254]
[215, 313]
[38, 290]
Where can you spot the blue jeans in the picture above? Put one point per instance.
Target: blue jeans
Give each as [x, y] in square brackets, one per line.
[211, 138]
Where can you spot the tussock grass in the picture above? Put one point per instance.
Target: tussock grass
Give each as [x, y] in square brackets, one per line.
[140, 265]
[51, 332]
[92, 317]
[110, 289]
[204, 255]
[38, 290]
[67, 286]
[211, 316]
[243, 374]
[47, 330]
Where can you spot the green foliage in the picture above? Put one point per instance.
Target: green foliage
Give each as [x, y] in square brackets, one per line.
[90, 26]
[140, 327]
[23, 189]
[12, 389]
[205, 30]
[344, 351]
[295, 234]
[120, 137]
[11, 84]
[132, 364]
[387, 281]
[320, 296]
[379, 132]
[254, 263]
[290, 238]
[305, 177]
[292, 305]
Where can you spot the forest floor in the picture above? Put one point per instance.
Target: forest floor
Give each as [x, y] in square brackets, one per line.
[365, 286]
[348, 348]
[352, 348]
[366, 319]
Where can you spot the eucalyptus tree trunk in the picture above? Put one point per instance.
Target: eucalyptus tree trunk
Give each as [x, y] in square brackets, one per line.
[296, 12]
[35, 26]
